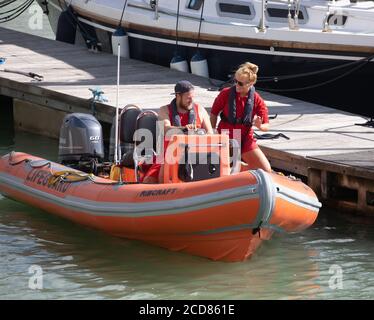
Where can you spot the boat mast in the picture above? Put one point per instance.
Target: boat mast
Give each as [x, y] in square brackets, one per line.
[116, 158]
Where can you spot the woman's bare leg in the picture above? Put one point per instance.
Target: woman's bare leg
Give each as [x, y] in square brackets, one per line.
[256, 160]
[161, 175]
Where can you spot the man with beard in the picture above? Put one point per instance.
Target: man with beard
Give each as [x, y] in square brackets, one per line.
[182, 113]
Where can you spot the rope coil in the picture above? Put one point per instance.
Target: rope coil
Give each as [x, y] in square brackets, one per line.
[13, 13]
[67, 176]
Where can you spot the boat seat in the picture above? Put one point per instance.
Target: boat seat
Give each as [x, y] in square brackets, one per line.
[127, 127]
[127, 159]
[145, 139]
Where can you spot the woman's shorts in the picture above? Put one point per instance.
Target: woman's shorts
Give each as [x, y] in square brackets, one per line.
[249, 145]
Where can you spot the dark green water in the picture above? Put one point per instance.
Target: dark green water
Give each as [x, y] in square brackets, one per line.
[80, 263]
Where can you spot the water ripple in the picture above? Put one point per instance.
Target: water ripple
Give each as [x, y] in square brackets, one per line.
[322, 241]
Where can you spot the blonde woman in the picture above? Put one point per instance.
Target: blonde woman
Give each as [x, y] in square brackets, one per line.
[241, 107]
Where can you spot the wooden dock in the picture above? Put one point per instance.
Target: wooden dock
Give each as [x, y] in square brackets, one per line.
[325, 146]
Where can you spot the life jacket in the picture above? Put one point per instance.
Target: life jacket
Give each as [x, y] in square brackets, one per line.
[248, 109]
[193, 115]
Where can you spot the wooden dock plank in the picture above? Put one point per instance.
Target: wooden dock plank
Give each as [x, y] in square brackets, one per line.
[363, 159]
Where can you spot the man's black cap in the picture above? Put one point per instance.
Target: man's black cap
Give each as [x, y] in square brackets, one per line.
[183, 86]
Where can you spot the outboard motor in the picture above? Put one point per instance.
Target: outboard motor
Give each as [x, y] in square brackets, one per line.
[81, 143]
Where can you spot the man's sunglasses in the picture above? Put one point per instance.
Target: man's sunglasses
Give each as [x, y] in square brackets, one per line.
[241, 84]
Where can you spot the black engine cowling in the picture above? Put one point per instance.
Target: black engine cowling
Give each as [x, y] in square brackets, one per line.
[81, 142]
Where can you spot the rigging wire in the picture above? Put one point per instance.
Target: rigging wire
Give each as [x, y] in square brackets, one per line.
[85, 34]
[200, 22]
[176, 28]
[14, 12]
[123, 11]
[357, 65]
[6, 2]
[318, 84]
[306, 74]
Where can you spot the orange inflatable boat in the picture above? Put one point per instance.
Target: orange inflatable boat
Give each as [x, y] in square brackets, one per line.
[225, 218]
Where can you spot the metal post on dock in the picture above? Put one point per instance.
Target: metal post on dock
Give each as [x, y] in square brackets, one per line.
[154, 6]
[261, 27]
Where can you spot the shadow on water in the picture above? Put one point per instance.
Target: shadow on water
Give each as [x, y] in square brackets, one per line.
[6, 122]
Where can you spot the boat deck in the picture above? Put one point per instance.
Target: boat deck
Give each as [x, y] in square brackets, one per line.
[325, 145]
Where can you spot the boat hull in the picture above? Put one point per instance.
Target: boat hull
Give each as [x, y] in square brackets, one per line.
[222, 220]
